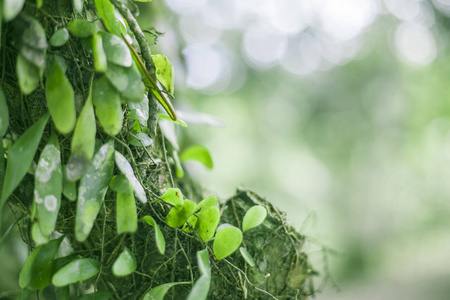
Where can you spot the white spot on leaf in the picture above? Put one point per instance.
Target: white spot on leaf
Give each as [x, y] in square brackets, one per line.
[50, 202]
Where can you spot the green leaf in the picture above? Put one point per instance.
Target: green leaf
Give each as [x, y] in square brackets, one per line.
[116, 50]
[11, 8]
[60, 99]
[37, 235]
[99, 295]
[227, 240]
[77, 6]
[173, 196]
[120, 184]
[207, 223]
[178, 121]
[201, 287]
[126, 213]
[81, 28]
[198, 153]
[92, 190]
[28, 75]
[178, 168]
[105, 11]
[254, 217]
[202, 206]
[248, 258]
[160, 291]
[59, 38]
[177, 216]
[159, 237]
[48, 186]
[100, 61]
[127, 80]
[75, 271]
[83, 141]
[8, 232]
[37, 271]
[108, 109]
[140, 139]
[20, 157]
[140, 110]
[164, 71]
[126, 169]
[4, 114]
[125, 263]
[69, 188]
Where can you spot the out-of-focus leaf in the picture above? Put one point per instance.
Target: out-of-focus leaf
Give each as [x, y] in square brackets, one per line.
[92, 190]
[201, 287]
[77, 270]
[160, 291]
[168, 128]
[120, 184]
[108, 109]
[20, 157]
[178, 121]
[116, 50]
[4, 114]
[8, 232]
[126, 169]
[140, 109]
[126, 213]
[48, 186]
[81, 28]
[173, 196]
[179, 172]
[253, 217]
[77, 6]
[207, 223]
[59, 38]
[37, 271]
[177, 216]
[227, 240]
[127, 80]
[37, 235]
[28, 75]
[198, 153]
[140, 139]
[159, 237]
[100, 62]
[105, 11]
[164, 71]
[193, 117]
[69, 188]
[125, 264]
[60, 99]
[248, 258]
[99, 295]
[11, 8]
[33, 35]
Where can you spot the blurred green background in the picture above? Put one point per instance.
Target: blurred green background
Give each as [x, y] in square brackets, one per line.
[338, 112]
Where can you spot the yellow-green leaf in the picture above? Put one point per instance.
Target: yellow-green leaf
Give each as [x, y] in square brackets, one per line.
[81, 28]
[108, 109]
[177, 216]
[126, 213]
[227, 240]
[100, 62]
[198, 153]
[164, 71]
[254, 217]
[125, 264]
[28, 75]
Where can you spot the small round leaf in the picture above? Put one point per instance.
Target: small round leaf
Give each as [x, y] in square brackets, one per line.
[59, 38]
[254, 217]
[227, 240]
[125, 264]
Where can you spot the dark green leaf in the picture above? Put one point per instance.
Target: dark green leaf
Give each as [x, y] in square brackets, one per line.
[173, 196]
[4, 114]
[160, 291]
[20, 156]
[159, 237]
[28, 75]
[116, 50]
[126, 213]
[248, 258]
[108, 109]
[81, 28]
[254, 217]
[37, 271]
[164, 71]
[198, 153]
[125, 263]
[11, 8]
[100, 295]
[92, 190]
[60, 99]
[177, 216]
[59, 38]
[126, 169]
[227, 240]
[77, 270]
[127, 80]
[201, 287]
[120, 184]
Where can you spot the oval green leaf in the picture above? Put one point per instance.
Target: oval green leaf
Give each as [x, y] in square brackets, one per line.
[160, 291]
[126, 169]
[201, 287]
[81, 28]
[120, 184]
[173, 196]
[177, 216]
[126, 213]
[59, 38]
[127, 80]
[116, 50]
[92, 190]
[108, 109]
[11, 8]
[20, 157]
[4, 114]
[254, 217]
[37, 235]
[75, 271]
[37, 271]
[100, 62]
[60, 99]
[48, 186]
[207, 223]
[164, 71]
[28, 75]
[125, 264]
[159, 237]
[227, 240]
[198, 153]
[248, 258]
[69, 188]
[140, 110]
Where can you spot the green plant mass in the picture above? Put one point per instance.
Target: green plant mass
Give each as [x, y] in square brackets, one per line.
[93, 178]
